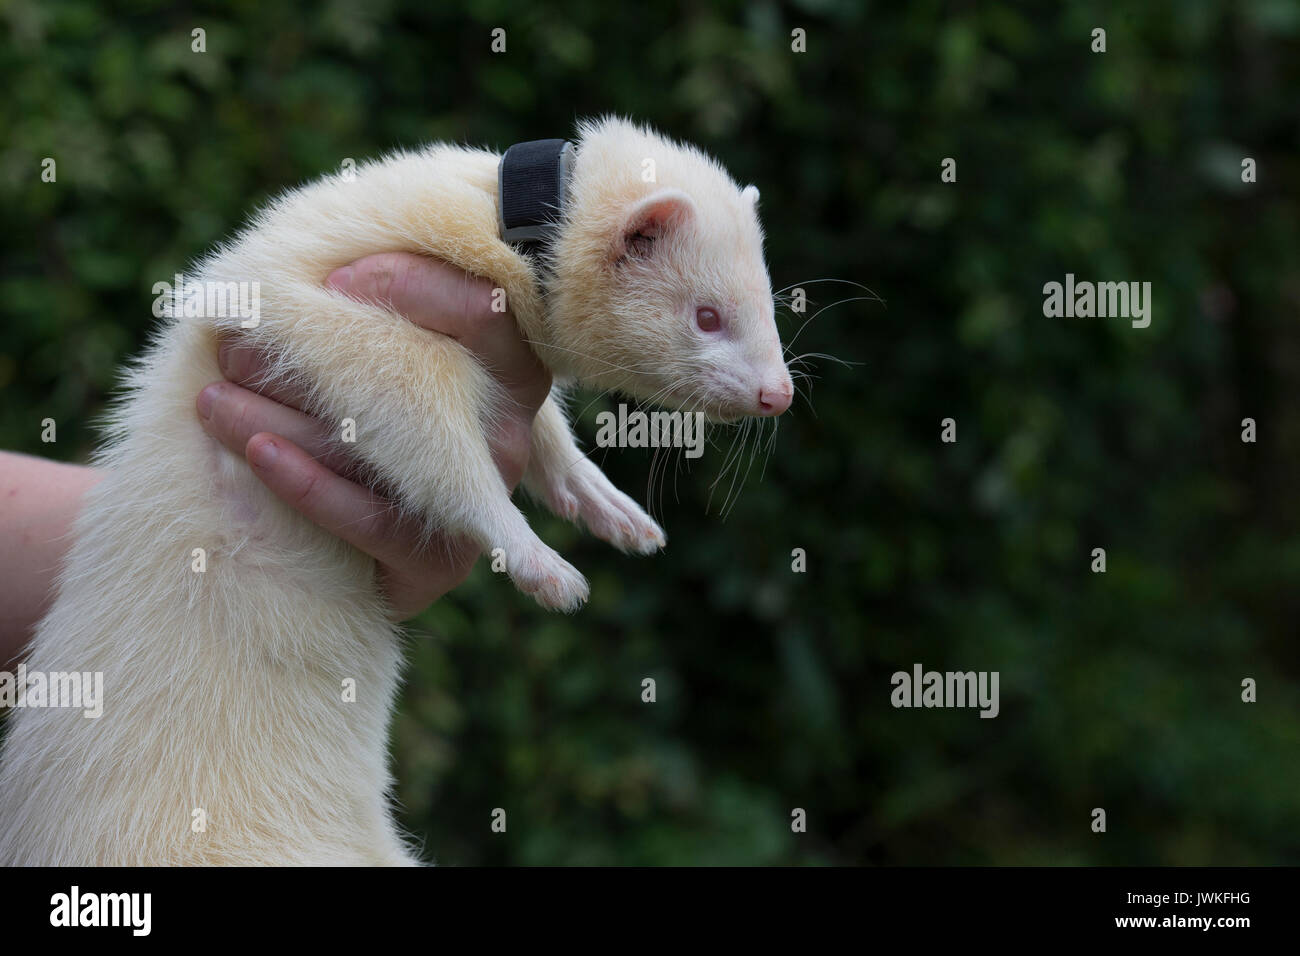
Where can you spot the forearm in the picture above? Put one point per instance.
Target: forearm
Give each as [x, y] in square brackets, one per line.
[39, 500]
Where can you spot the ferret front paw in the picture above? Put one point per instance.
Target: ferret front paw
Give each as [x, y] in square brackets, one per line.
[553, 582]
[583, 493]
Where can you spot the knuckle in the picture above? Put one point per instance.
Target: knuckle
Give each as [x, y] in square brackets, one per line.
[386, 276]
[536, 390]
[377, 524]
[242, 415]
[478, 297]
[227, 408]
[305, 490]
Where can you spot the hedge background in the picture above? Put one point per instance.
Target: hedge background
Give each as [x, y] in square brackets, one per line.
[1118, 690]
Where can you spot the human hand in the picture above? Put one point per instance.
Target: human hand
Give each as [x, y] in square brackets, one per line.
[291, 453]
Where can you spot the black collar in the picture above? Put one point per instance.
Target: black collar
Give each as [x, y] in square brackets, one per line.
[532, 181]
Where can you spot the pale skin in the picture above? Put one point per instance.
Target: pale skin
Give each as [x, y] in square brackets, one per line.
[288, 451]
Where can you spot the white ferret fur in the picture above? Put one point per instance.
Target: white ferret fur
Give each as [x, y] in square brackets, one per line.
[223, 700]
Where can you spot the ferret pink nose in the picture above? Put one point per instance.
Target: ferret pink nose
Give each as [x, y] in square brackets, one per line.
[773, 400]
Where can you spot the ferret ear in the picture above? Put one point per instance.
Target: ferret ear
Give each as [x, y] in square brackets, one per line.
[651, 219]
[750, 193]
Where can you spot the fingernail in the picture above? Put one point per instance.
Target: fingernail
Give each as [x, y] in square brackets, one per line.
[340, 279]
[233, 361]
[264, 454]
[206, 399]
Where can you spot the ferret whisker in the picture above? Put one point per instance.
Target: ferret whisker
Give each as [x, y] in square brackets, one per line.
[828, 357]
[656, 395]
[657, 469]
[561, 348]
[806, 396]
[745, 433]
[677, 468]
[752, 428]
[650, 487]
[755, 432]
[599, 395]
[732, 457]
[771, 447]
[658, 462]
[864, 288]
[793, 338]
[675, 457]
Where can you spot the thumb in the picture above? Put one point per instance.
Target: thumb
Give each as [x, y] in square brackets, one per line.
[427, 292]
[441, 298]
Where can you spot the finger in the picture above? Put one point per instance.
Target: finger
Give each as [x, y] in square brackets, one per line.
[444, 299]
[428, 292]
[421, 578]
[343, 508]
[412, 574]
[233, 415]
[247, 366]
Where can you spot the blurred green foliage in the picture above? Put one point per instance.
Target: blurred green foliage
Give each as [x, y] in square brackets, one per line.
[1118, 690]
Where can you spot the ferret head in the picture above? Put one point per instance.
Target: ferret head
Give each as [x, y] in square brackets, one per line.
[660, 290]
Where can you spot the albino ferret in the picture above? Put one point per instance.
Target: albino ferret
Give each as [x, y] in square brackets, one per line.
[227, 735]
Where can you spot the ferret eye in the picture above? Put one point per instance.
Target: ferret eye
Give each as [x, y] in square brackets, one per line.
[708, 319]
